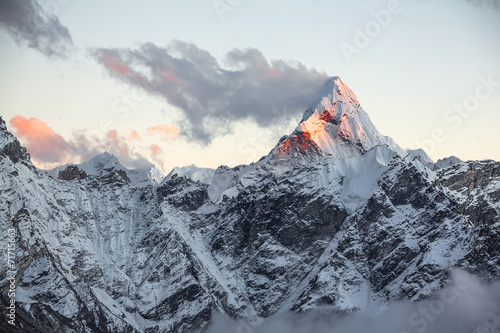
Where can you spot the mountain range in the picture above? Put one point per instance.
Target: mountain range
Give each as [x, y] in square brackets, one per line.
[336, 218]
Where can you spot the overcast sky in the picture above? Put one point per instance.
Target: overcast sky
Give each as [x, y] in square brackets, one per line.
[219, 82]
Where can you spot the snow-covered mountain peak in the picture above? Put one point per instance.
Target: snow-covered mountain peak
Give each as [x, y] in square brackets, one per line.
[101, 164]
[105, 163]
[421, 156]
[334, 90]
[335, 126]
[155, 174]
[446, 162]
[203, 175]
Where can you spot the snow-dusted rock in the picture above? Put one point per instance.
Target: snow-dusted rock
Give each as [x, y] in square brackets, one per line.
[103, 165]
[203, 175]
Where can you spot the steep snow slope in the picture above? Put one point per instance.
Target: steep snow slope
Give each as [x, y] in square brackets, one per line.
[420, 155]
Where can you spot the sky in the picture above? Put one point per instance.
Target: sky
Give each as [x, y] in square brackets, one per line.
[218, 82]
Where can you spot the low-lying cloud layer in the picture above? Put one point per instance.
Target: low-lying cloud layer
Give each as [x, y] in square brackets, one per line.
[211, 96]
[26, 22]
[465, 306]
[49, 149]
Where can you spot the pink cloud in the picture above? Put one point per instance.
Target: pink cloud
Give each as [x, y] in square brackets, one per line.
[134, 136]
[42, 142]
[167, 132]
[272, 72]
[49, 149]
[171, 77]
[120, 69]
[118, 143]
[155, 149]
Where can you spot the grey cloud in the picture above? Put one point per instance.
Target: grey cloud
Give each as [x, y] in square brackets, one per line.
[26, 22]
[466, 306]
[211, 96]
[487, 3]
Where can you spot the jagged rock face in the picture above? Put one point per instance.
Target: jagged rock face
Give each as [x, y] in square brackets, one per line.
[192, 197]
[106, 251]
[104, 165]
[71, 172]
[12, 149]
[299, 144]
[475, 185]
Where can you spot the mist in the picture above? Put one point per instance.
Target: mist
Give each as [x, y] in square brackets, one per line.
[465, 305]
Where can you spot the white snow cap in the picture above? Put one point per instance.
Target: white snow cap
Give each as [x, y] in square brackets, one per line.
[447, 162]
[420, 155]
[105, 163]
[335, 125]
[203, 175]
[101, 164]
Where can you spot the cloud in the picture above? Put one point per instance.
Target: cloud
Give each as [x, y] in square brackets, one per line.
[134, 136]
[167, 132]
[26, 22]
[43, 143]
[463, 306]
[118, 143]
[49, 149]
[87, 146]
[112, 65]
[155, 149]
[211, 96]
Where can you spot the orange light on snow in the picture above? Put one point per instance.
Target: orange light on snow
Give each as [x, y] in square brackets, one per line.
[301, 142]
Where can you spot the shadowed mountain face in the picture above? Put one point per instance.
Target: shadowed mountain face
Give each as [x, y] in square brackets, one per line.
[337, 217]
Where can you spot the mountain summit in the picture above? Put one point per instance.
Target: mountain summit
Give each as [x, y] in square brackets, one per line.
[335, 125]
[106, 163]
